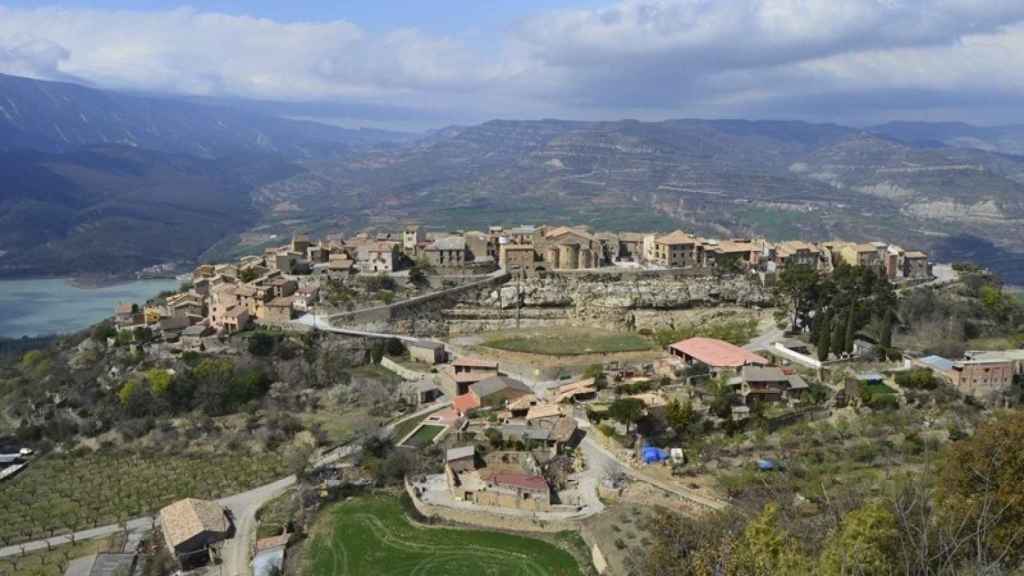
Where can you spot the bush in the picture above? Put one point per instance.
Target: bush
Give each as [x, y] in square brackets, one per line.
[917, 379]
[261, 344]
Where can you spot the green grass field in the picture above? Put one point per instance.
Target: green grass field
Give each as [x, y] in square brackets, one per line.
[372, 536]
[424, 436]
[572, 344]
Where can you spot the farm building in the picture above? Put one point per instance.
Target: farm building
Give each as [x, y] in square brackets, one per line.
[268, 559]
[498, 390]
[191, 527]
[427, 351]
[717, 356]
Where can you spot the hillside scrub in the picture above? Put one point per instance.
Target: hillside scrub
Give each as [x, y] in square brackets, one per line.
[961, 516]
[942, 321]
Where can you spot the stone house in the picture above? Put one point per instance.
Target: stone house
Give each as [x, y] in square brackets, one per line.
[676, 250]
[172, 327]
[505, 480]
[915, 266]
[191, 526]
[726, 253]
[278, 310]
[766, 384]
[496, 391]
[865, 255]
[631, 246]
[447, 252]
[797, 253]
[127, 314]
[192, 337]
[381, 257]
[481, 245]
[427, 352]
[516, 257]
[306, 298]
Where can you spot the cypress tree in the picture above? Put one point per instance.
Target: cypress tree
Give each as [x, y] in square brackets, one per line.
[824, 340]
[838, 333]
[850, 328]
[885, 341]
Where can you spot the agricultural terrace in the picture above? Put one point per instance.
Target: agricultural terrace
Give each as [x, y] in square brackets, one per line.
[55, 494]
[572, 343]
[373, 536]
[54, 562]
[424, 435]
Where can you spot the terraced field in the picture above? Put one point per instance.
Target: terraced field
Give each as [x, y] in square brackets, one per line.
[373, 536]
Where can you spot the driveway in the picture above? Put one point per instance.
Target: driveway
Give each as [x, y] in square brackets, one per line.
[235, 553]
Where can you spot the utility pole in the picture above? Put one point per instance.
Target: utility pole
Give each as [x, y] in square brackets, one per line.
[519, 301]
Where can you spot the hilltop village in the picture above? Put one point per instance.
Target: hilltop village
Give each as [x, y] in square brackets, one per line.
[536, 379]
[291, 280]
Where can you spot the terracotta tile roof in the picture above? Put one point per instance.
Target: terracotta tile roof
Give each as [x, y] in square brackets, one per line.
[186, 518]
[717, 353]
[545, 411]
[471, 377]
[523, 403]
[473, 362]
[564, 428]
[677, 237]
[518, 480]
[466, 402]
[272, 542]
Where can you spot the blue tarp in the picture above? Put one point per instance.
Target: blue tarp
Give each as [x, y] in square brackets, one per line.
[652, 455]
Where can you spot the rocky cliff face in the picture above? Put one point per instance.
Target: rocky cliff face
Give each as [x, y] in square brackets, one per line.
[610, 299]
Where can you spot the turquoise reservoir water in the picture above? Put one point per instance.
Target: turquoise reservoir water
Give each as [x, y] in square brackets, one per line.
[54, 306]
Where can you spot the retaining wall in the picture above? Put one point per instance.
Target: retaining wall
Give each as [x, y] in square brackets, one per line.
[494, 520]
[403, 372]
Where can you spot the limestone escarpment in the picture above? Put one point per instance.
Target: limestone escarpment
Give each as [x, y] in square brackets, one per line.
[632, 299]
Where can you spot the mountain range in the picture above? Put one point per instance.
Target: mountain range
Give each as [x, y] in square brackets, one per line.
[121, 181]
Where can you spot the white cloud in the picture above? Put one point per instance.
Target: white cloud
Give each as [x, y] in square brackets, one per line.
[640, 58]
[192, 52]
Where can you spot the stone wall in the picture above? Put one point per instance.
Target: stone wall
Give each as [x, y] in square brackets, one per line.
[494, 521]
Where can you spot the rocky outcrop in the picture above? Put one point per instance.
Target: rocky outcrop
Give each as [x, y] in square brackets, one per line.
[637, 299]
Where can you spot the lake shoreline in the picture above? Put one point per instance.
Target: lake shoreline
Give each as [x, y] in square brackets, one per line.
[40, 307]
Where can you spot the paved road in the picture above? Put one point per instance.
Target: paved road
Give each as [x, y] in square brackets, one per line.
[236, 551]
[764, 340]
[243, 508]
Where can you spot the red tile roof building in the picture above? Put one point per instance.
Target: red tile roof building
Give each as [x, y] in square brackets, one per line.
[716, 354]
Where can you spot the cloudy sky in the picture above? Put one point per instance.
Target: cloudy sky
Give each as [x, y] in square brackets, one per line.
[423, 63]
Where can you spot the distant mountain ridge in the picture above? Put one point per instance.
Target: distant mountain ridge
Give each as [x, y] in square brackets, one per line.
[86, 168]
[58, 117]
[783, 179]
